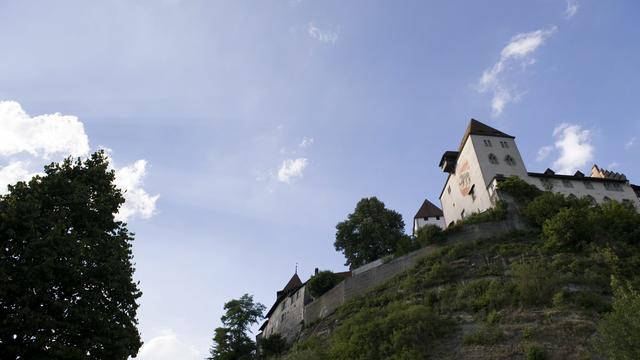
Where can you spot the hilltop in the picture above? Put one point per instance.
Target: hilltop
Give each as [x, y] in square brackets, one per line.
[539, 293]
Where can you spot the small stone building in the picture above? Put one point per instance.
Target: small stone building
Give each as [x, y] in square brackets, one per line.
[428, 214]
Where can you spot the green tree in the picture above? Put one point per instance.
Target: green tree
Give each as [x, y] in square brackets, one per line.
[272, 346]
[569, 229]
[66, 273]
[619, 331]
[322, 282]
[232, 341]
[369, 233]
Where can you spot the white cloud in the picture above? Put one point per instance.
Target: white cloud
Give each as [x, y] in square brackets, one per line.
[324, 36]
[613, 165]
[517, 51]
[291, 168]
[137, 201]
[28, 143]
[42, 135]
[306, 142]
[14, 172]
[168, 346]
[630, 143]
[544, 152]
[574, 145]
[572, 8]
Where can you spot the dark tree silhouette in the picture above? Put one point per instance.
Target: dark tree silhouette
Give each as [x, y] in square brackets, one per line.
[66, 276]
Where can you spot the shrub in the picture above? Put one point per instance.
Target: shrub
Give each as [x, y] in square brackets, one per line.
[618, 221]
[311, 349]
[405, 245]
[520, 190]
[429, 235]
[397, 331]
[544, 207]
[486, 335]
[569, 229]
[534, 281]
[322, 282]
[619, 330]
[535, 353]
[272, 346]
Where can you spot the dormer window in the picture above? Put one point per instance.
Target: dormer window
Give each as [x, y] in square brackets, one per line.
[509, 160]
[493, 159]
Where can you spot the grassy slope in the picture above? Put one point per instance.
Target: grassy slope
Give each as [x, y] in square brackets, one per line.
[498, 298]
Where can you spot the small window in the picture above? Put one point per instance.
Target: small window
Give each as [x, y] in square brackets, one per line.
[588, 185]
[628, 202]
[567, 183]
[282, 317]
[487, 143]
[591, 199]
[437, 217]
[472, 192]
[449, 190]
[504, 144]
[607, 199]
[509, 160]
[493, 159]
[462, 214]
[572, 197]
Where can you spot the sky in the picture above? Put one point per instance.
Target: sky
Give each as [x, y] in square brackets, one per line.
[244, 131]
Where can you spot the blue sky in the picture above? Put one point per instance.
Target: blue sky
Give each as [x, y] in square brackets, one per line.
[245, 130]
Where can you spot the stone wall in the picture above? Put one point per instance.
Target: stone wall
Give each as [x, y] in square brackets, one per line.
[378, 272]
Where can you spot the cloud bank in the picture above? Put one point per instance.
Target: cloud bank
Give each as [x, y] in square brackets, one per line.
[28, 143]
[518, 51]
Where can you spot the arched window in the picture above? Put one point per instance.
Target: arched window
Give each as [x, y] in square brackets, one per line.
[493, 159]
[591, 199]
[607, 199]
[572, 197]
[509, 160]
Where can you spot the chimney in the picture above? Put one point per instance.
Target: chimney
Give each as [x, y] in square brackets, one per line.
[316, 272]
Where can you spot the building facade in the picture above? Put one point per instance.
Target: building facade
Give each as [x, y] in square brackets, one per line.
[486, 155]
[428, 214]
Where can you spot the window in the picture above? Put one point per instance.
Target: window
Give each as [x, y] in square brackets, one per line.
[449, 190]
[607, 199]
[509, 160]
[472, 192]
[487, 143]
[591, 199]
[504, 144]
[437, 217]
[567, 183]
[282, 317]
[612, 186]
[462, 214]
[493, 159]
[588, 185]
[547, 184]
[572, 197]
[628, 202]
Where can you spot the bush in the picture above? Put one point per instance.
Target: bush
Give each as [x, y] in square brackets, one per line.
[486, 335]
[535, 353]
[322, 282]
[569, 229]
[619, 331]
[535, 282]
[396, 331]
[544, 207]
[429, 235]
[520, 190]
[618, 221]
[405, 245]
[272, 346]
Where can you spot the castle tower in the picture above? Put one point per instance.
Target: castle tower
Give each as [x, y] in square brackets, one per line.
[484, 154]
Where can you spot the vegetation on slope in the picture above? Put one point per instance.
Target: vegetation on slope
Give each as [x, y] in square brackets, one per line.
[536, 294]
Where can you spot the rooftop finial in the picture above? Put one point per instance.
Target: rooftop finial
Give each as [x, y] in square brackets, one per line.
[296, 268]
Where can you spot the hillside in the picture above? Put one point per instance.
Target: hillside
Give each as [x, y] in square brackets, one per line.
[536, 294]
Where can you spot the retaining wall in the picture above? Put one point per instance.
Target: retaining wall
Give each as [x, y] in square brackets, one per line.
[377, 272]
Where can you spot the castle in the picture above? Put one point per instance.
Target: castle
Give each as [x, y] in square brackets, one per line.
[484, 157]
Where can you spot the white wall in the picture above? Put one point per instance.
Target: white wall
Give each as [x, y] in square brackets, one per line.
[420, 222]
[599, 191]
[475, 168]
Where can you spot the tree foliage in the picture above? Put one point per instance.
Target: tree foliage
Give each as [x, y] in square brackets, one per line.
[322, 282]
[232, 341]
[66, 273]
[520, 190]
[369, 233]
[272, 346]
[619, 331]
